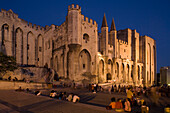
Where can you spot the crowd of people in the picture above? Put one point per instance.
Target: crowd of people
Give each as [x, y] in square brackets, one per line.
[130, 104]
[133, 103]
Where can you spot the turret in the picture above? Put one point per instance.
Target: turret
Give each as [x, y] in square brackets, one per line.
[113, 28]
[104, 37]
[74, 24]
[113, 37]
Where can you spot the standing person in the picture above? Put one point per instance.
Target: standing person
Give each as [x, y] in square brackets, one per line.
[110, 89]
[92, 87]
[119, 88]
[115, 88]
[127, 105]
[96, 87]
[130, 95]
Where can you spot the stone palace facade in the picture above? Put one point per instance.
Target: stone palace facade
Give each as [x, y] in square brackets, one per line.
[75, 50]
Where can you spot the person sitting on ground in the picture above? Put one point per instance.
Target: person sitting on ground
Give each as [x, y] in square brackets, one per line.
[113, 103]
[64, 96]
[127, 105]
[57, 95]
[60, 95]
[119, 106]
[38, 93]
[144, 108]
[167, 108]
[53, 94]
[19, 89]
[69, 98]
[28, 90]
[76, 98]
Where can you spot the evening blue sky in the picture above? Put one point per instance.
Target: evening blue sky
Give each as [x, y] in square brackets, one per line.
[148, 17]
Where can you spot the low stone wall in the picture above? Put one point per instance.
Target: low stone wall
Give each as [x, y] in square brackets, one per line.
[23, 85]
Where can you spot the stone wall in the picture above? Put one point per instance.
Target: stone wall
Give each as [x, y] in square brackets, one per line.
[15, 85]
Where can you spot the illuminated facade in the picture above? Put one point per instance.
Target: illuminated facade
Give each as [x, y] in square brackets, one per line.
[76, 51]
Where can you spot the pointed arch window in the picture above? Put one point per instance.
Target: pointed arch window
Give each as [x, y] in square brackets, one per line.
[86, 37]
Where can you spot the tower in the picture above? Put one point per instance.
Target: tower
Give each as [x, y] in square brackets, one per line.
[104, 37]
[113, 37]
[74, 24]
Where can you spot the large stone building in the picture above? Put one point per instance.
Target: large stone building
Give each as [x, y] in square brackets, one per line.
[76, 51]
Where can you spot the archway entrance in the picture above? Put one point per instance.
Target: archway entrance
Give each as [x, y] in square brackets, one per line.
[109, 77]
[56, 78]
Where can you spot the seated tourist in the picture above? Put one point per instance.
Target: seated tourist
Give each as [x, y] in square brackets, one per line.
[37, 93]
[64, 96]
[127, 105]
[19, 89]
[113, 103]
[119, 106]
[167, 109]
[60, 95]
[53, 94]
[76, 98]
[28, 90]
[70, 97]
[144, 108]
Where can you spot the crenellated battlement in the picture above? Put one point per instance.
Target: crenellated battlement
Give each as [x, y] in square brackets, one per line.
[122, 42]
[9, 13]
[33, 26]
[74, 7]
[59, 27]
[89, 21]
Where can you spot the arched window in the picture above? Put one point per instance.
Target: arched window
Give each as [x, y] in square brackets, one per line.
[84, 61]
[128, 72]
[138, 73]
[109, 61]
[19, 46]
[117, 70]
[86, 37]
[5, 31]
[39, 50]
[30, 49]
[101, 71]
[101, 66]
[132, 72]
[123, 76]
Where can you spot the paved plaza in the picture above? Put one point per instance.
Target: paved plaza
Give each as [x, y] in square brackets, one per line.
[23, 102]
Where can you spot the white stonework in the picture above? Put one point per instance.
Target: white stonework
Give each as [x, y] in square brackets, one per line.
[76, 51]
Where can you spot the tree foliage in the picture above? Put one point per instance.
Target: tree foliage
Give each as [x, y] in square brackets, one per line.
[7, 63]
